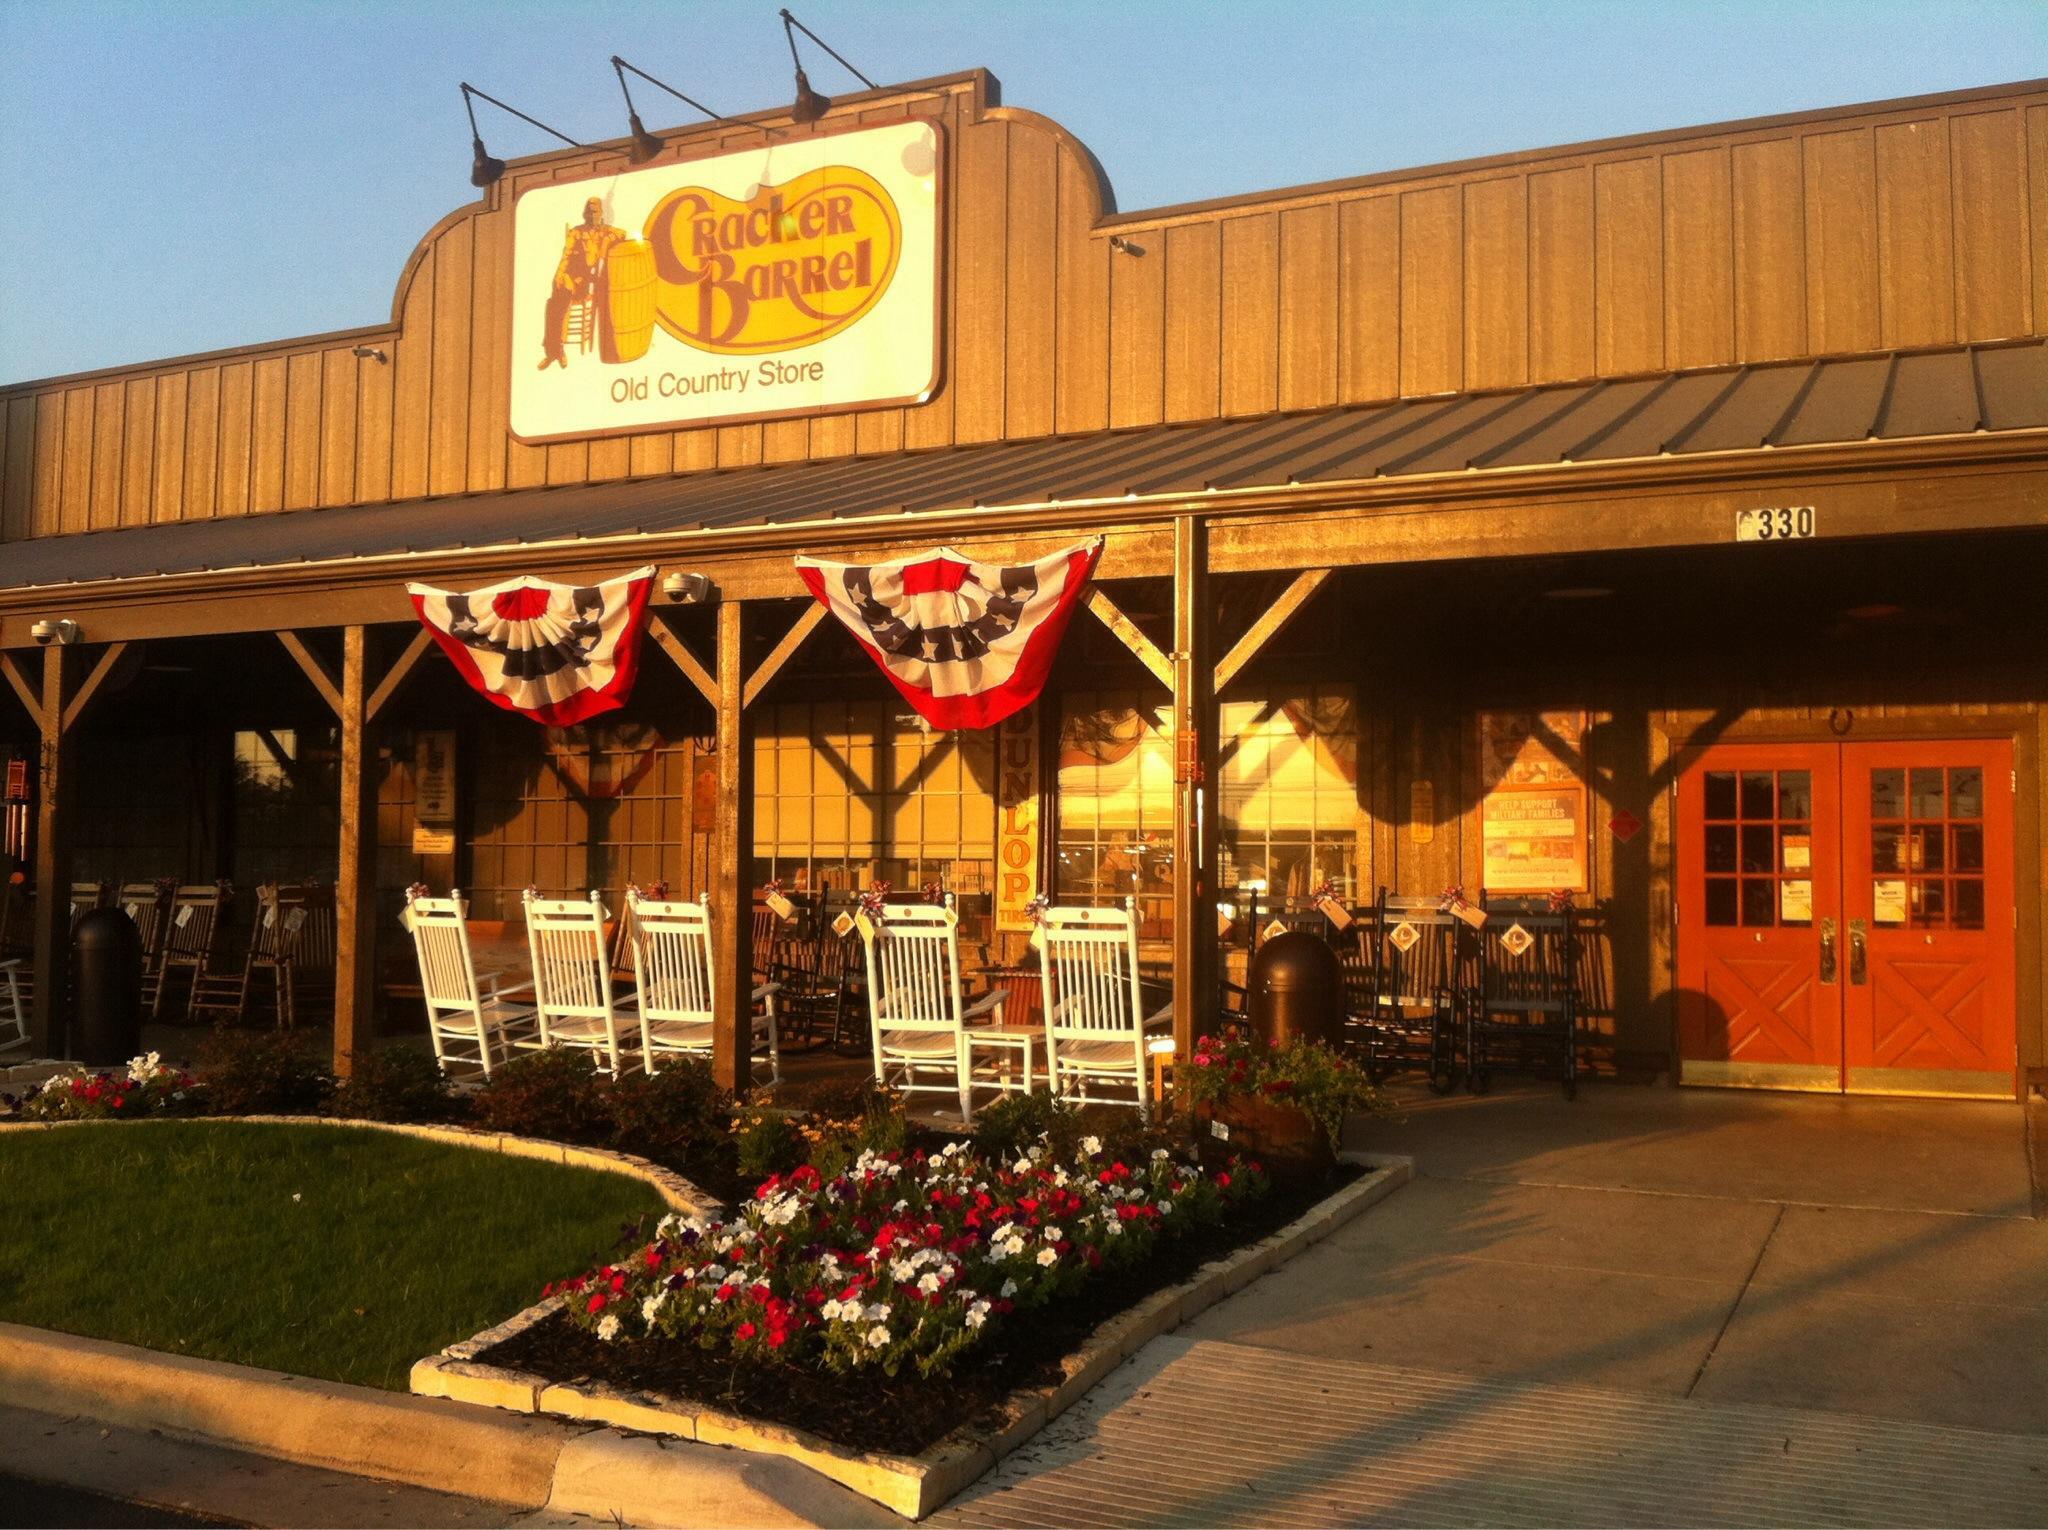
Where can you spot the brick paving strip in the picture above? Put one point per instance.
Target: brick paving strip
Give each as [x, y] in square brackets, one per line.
[1206, 1433]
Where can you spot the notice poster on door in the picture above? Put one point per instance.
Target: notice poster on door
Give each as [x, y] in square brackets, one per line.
[1016, 819]
[433, 776]
[1533, 814]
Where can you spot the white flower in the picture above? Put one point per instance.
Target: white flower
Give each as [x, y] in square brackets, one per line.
[142, 1069]
[1053, 1234]
[831, 1310]
[878, 1337]
[928, 1283]
[902, 1269]
[1160, 1155]
[1091, 1145]
[652, 1306]
[878, 1312]
[1048, 1256]
[608, 1327]
[1165, 1207]
[901, 1206]
[977, 1314]
[1023, 1166]
[1112, 1228]
[1009, 1288]
[295, 1195]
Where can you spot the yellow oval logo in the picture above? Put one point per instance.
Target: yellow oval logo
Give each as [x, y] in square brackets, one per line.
[795, 265]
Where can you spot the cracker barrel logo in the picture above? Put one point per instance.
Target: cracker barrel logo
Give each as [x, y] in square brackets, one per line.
[790, 266]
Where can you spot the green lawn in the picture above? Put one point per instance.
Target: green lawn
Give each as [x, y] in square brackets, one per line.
[317, 1250]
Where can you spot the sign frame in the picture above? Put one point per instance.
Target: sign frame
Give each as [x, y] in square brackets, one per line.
[941, 275]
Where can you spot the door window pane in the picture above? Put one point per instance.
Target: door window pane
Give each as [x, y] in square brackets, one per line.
[1887, 794]
[1759, 902]
[1968, 912]
[1969, 847]
[1966, 793]
[1929, 799]
[1929, 906]
[1927, 848]
[1721, 847]
[1720, 794]
[1721, 906]
[1758, 852]
[1795, 794]
[1758, 797]
[1887, 847]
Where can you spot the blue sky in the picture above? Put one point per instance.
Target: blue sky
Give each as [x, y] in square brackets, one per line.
[193, 174]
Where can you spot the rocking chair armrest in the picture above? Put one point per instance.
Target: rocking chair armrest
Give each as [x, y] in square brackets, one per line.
[1160, 1017]
[766, 990]
[988, 1003]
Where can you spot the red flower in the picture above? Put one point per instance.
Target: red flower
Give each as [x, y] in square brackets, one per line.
[596, 1303]
[778, 1338]
[744, 1331]
[1222, 1181]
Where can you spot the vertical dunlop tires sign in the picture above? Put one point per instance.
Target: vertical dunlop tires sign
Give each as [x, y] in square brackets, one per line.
[797, 277]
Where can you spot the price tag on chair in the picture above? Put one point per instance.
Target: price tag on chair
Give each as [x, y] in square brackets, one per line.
[1403, 936]
[184, 917]
[294, 921]
[843, 926]
[782, 907]
[1517, 941]
[269, 916]
[1277, 927]
[1335, 912]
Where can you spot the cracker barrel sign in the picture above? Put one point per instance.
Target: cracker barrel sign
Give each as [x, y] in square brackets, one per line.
[794, 278]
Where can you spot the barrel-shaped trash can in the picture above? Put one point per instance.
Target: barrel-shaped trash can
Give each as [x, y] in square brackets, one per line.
[106, 988]
[1294, 990]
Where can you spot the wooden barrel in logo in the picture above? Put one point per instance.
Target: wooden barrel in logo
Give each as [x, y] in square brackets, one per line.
[627, 304]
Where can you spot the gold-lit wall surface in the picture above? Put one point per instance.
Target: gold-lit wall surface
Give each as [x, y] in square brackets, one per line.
[1859, 229]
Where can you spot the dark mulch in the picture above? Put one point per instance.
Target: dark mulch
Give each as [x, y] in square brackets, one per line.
[903, 1414]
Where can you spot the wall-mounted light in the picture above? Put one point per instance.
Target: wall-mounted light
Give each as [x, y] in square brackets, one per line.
[370, 353]
[485, 170]
[810, 105]
[645, 144]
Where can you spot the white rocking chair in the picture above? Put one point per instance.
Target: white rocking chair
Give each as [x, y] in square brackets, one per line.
[1097, 1033]
[463, 1011]
[920, 1023]
[572, 976]
[675, 999]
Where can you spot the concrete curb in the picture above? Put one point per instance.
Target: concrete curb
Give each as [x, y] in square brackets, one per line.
[679, 1193]
[416, 1440]
[911, 1486]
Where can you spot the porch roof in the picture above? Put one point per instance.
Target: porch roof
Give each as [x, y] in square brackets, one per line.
[1894, 396]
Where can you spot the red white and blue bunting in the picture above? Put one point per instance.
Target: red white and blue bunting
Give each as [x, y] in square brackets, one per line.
[966, 643]
[557, 653]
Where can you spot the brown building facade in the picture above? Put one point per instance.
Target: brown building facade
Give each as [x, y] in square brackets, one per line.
[1661, 519]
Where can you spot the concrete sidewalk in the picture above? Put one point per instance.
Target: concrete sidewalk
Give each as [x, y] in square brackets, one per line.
[1646, 1306]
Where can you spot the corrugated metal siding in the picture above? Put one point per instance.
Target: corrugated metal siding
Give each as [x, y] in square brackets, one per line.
[1889, 397]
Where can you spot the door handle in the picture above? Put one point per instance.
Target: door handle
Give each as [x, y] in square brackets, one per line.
[1827, 950]
[1858, 968]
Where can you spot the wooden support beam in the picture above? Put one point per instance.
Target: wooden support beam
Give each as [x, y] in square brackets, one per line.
[1267, 627]
[317, 672]
[54, 818]
[783, 652]
[18, 679]
[74, 709]
[355, 932]
[1195, 990]
[732, 932]
[395, 676]
[692, 667]
[1131, 636]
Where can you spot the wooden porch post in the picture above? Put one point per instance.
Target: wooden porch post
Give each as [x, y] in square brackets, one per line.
[53, 857]
[1194, 775]
[355, 935]
[732, 966]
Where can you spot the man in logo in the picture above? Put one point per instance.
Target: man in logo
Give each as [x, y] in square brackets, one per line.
[583, 253]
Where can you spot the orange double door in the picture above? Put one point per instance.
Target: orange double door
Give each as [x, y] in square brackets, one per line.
[1846, 918]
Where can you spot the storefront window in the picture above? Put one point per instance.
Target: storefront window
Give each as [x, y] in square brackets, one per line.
[846, 793]
[1287, 771]
[286, 786]
[1115, 805]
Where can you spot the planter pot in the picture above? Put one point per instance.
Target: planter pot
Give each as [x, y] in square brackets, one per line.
[1286, 1139]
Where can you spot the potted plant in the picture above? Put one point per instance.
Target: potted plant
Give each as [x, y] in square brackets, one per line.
[1283, 1104]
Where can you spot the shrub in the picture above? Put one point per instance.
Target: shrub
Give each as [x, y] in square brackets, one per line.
[145, 1088]
[554, 1093]
[674, 1115]
[766, 1139]
[393, 1084]
[902, 1260]
[1306, 1074]
[260, 1073]
[1017, 1121]
[849, 1117]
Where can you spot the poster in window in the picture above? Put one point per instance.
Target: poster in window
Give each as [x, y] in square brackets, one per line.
[1533, 812]
[1016, 819]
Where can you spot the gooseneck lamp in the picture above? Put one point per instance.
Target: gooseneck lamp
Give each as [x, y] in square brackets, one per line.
[810, 105]
[485, 170]
[645, 144]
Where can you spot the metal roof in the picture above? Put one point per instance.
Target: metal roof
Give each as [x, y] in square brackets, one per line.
[1961, 390]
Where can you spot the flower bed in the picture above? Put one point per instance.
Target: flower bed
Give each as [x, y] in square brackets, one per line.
[883, 1308]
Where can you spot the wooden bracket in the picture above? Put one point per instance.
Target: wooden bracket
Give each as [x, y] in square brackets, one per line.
[29, 694]
[783, 652]
[1131, 636]
[394, 677]
[82, 698]
[686, 661]
[1268, 626]
[322, 678]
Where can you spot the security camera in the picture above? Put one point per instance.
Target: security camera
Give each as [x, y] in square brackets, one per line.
[686, 589]
[61, 631]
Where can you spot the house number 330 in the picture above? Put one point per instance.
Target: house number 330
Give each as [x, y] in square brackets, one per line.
[1789, 523]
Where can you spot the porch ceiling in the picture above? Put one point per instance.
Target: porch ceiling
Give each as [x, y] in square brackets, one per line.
[1959, 390]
